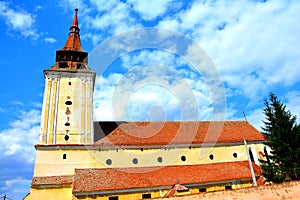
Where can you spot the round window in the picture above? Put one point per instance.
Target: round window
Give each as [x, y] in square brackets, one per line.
[183, 158]
[159, 159]
[108, 161]
[135, 161]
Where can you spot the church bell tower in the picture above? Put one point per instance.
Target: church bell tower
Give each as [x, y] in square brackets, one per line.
[67, 113]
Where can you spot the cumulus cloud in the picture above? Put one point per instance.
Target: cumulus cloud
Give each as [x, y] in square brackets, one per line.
[15, 186]
[247, 40]
[50, 39]
[150, 10]
[19, 138]
[150, 97]
[17, 153]
[252, 43]
[18, 20]
[293, 99]
[147, 57]
[156, 86]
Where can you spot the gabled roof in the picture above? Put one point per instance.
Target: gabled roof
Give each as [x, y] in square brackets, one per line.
[175, 133]
[109, 179]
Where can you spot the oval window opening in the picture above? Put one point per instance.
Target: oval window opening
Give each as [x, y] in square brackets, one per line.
[183, 158]
[67, 137]
[159, 159]
[68, 103]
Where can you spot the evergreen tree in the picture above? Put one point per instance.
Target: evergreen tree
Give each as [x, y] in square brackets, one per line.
[283, 137]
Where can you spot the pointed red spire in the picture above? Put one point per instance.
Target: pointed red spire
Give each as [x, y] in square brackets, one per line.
[73, 41]
[72, 56]
[75, 20]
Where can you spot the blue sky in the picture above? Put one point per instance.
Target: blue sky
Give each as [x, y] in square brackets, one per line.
[254, 45]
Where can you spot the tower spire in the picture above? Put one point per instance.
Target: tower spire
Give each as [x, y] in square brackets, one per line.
[75, 20]
[73, 41]
[72, 56]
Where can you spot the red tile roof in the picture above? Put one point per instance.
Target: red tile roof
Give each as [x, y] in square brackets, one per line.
[73, 41]
[92, 180]
[168, 133]
[52, 180]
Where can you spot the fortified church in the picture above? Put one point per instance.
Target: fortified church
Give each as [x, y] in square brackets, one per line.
[78, 158]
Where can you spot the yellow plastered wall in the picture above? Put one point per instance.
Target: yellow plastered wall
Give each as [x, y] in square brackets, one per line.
[124, 196]
[50, 193]
[53, 162]
[73, 92]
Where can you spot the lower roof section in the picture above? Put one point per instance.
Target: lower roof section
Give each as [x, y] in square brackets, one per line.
[108, 180]
[52, 181]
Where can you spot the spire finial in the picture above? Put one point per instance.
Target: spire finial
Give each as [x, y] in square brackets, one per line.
[75, 20]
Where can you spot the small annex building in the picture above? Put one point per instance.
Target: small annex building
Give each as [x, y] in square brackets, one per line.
[77, 158]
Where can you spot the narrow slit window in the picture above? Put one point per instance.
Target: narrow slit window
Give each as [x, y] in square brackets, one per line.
[228, 187]
[251, 155]
[146, 196]
[64, 156]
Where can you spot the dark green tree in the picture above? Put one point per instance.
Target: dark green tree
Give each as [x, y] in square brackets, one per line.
[283, 137]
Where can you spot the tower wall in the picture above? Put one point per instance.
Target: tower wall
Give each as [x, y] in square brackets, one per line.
[67, 116]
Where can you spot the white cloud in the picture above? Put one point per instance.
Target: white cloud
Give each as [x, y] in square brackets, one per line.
[242, 82]
[152, 89]
[50, 39]
[16, 187]
[19, 138]
[69, 4]
[251, 43]
[293, 99]
[147, 57]
[256, 117]
[18, 20]
[150, 9]
[104, 5]
[117, 20]
[17, 153]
